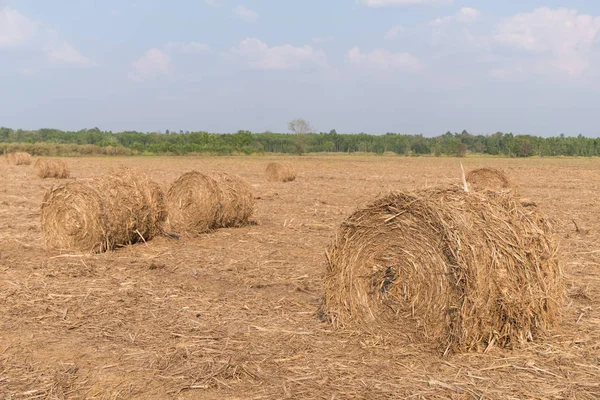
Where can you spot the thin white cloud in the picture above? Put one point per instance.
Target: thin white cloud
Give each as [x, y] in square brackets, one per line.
[151, 65]
[27, 71]
[464, 16]
[396, 3]
[61, 52]
[15, 28]
[259, 55]
[381, 59]
[188, 48]
[503, 73]
[213, 3]
[393, 32]
[322, 39]
[562, 38]
[245, 14]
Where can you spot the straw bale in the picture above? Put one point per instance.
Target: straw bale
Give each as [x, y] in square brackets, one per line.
[488, 178]
[51, 168]
[280, 172]
[236, 201]
[463, 271]
[194, 201]
[18, 158]
[120, 208]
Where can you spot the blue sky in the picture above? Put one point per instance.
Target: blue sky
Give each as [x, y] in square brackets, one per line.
[376, 66]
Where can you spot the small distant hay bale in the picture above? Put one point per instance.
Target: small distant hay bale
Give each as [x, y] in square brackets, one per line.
[462, 271]
[199, 202]
[123, 207]
[280, 172]
[487, 178]
[51, 168]
[236, 201]
[193, 201]
[18, 158]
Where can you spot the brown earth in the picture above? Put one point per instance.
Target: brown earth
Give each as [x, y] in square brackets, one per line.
[233, 314]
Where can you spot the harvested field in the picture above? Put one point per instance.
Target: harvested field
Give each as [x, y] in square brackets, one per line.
[233, 314]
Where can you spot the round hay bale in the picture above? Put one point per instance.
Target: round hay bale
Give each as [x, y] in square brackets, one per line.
[280, 172]
[51, 168]
[99, 214]
[193, 201]
[460, 270]
[158, 206]
[18, 158]
[487, 178]
[236, 201]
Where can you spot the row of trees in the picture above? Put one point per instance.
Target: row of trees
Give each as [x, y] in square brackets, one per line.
[302, 141]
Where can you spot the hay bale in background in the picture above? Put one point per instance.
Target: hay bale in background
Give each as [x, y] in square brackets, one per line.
[193, 201]
[199, 202]
[120, 208]
[463, 270]
[51, 168]
[280, 172]
[18, 158]
[487, 178]
[236, 201]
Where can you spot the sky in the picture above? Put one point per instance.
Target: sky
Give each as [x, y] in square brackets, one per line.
[374, 66]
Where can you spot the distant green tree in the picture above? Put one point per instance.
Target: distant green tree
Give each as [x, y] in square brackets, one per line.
[301, 128]
[523, 147]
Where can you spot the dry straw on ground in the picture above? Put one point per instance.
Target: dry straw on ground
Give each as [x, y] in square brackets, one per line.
[201, 202]
[462, 270]
[18, 158]
[102, 213]
[280, 172]
[487, 178]
[236, 201]
[51, 168]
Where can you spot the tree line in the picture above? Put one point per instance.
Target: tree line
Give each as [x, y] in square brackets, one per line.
[95, 141]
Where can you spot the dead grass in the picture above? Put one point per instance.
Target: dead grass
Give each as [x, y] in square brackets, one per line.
[232, 314]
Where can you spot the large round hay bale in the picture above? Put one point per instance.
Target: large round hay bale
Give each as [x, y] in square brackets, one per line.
[280, 172]
[51, 168]
[488, 178]
[236, 201]
[99, 214]
[194, 201]
[461, 270]
[18, 158]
